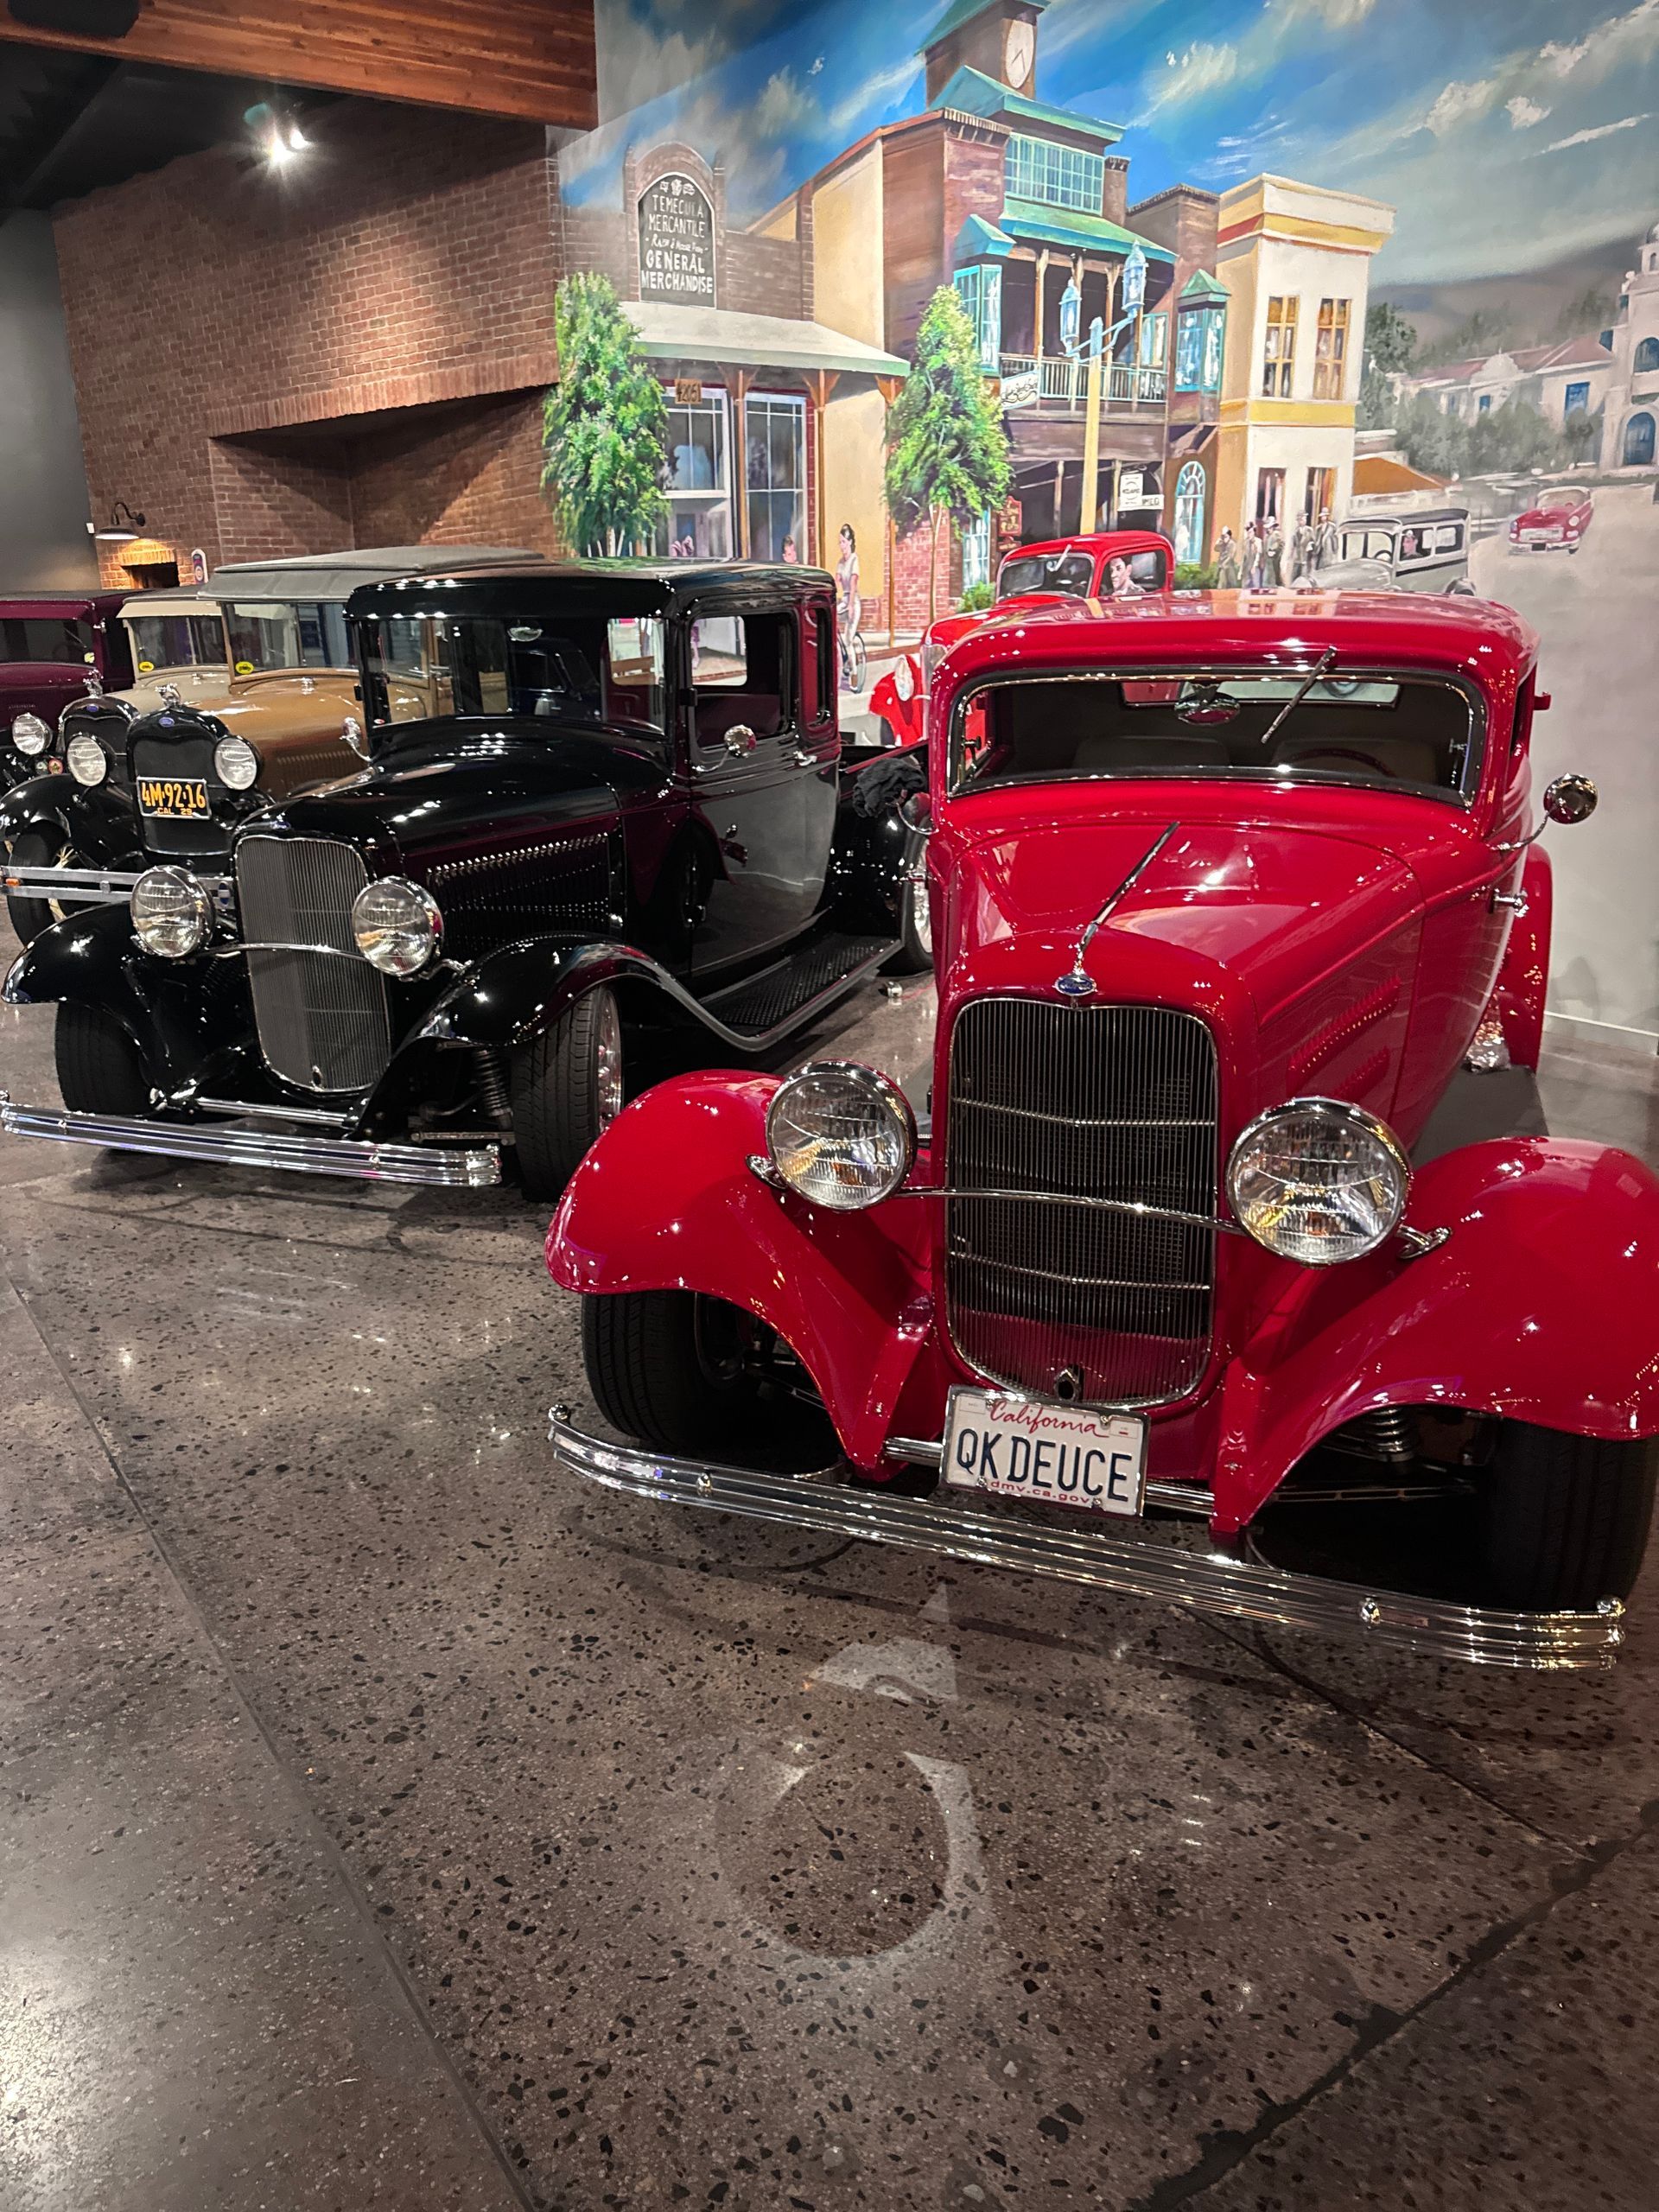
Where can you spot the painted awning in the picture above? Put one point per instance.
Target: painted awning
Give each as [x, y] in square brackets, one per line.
[671, 332]
[1201, 288]
[1032, 223]
[1382, 475]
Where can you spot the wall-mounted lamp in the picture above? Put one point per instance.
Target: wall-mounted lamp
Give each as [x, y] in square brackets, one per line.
[277, 131]
[122, 526]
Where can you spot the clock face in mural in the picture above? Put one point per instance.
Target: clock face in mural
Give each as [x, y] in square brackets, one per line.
[1018, 52]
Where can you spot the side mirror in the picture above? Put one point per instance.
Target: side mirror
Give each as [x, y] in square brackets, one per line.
[1570, 799]
[916, 812]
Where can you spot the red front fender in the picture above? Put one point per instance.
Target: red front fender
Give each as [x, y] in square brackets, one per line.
[1541, 1306]
[666, 1200]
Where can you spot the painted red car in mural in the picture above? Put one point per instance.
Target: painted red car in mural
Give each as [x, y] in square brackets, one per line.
[1555, 522]
[1111, 564]
[1210, 1214]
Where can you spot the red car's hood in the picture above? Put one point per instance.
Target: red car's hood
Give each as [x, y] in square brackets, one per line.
[1231, 904]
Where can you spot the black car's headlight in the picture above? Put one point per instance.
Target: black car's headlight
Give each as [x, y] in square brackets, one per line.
[172, 914]
[88, 762]
[31, 734]
[1318, 1180]
[236, 764]
[840, 1134]
[396, 925]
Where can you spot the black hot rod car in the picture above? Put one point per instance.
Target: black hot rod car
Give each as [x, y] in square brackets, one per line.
[635, 841]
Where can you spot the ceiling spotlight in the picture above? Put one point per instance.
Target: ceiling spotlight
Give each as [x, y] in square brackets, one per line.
[122, 526]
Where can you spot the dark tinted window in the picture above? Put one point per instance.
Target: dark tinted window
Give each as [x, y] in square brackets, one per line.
[45, 638]
[609, 674]
[1377, 730]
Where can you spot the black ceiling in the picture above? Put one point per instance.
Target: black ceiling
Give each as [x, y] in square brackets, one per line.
[72, 121]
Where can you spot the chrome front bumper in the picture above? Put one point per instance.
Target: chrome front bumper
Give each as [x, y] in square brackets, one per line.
[80, 886]
[1105, 1557]
[473, 1168]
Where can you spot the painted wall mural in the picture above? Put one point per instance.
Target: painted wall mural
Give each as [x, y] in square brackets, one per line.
[1373, 286]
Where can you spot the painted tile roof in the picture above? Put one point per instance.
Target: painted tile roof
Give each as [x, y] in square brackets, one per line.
[971, 92]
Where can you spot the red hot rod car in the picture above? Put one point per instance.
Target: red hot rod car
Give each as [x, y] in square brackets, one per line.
[1222, 890]
[1109, 564]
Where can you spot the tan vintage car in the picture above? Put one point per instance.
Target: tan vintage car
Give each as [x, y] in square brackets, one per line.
[263, 649]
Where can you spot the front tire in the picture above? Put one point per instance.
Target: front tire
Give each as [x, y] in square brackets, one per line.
[98, 1068]
[563, 1087]
[915, 953]
[1564, 1519]
[39, 848]
[668, 1367]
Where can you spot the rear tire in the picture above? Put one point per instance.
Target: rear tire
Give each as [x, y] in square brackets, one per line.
[665, 1366]
[563, 1087]
[1564, 1519]
[39, 849]
[98, 1068]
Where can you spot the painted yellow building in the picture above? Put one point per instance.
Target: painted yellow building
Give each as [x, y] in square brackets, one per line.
[1295, 259]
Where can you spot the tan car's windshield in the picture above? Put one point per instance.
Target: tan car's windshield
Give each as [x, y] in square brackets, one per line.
[1414, 734]
[267, 635]
[161, 641]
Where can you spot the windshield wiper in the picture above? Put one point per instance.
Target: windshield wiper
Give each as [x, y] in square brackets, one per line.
[1323, 666]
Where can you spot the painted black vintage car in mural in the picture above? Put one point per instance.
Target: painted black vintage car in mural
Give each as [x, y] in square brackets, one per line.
[636, 842]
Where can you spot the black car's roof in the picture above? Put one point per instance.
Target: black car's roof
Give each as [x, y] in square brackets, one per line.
[587, 588]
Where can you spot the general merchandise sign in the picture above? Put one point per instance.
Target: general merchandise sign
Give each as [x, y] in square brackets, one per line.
[677, 242]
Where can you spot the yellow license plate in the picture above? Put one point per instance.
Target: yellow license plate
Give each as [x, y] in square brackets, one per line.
[173, 798]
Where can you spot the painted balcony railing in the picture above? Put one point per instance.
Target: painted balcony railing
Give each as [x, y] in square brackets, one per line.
[1055, 384]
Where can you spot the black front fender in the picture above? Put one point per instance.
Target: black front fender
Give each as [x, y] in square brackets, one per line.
[517, 992]
[166, 1007]
[98, 823]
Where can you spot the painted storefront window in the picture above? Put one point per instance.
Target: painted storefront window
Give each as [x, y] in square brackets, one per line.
[981, 286]
[774, 437]
[1060, 176]
[699, 522]
[1200, 337]
[1189, 512]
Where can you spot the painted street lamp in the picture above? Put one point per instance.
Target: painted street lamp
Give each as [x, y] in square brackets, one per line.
[1071, 313]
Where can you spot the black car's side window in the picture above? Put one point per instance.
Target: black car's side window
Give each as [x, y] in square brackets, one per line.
[743, 672]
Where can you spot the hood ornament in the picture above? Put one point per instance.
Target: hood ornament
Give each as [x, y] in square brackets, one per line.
[1077, 982]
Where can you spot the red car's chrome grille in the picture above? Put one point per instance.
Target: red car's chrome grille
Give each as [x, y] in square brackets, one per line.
[1113, 1101]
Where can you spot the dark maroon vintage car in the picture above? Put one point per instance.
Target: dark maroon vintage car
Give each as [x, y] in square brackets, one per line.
[53, 644]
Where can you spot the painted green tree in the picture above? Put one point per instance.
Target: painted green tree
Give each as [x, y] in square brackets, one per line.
[604, 425]
[1390, 349]
[947, 453]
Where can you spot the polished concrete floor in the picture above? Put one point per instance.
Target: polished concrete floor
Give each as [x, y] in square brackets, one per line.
[388, 1821]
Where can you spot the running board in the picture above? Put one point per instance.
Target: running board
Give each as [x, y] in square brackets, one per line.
[1103, 1557]
[473, 1169]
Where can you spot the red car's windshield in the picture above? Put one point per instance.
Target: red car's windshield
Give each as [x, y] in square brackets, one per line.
[1414, 734]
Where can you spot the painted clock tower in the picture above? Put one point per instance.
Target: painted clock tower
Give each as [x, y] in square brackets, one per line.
[996, 37]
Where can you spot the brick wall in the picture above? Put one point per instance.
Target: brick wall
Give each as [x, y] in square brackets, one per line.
[910, 561]
[408, 260]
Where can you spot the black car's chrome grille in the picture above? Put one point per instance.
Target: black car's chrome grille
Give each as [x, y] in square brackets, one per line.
[323, 1019]
[1112, 1102]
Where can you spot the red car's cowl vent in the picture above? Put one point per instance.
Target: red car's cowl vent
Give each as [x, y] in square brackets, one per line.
[1114, 1101]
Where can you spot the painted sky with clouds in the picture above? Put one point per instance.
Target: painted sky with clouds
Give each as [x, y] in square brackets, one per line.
[1508, 133]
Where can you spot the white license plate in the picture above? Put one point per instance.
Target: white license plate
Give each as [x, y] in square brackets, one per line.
[1060, 1455]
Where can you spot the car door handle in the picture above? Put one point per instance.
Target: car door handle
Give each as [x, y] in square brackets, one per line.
[740, 738]
[802, 758]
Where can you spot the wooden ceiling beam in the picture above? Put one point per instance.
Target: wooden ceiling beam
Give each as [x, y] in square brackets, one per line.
[532, 59]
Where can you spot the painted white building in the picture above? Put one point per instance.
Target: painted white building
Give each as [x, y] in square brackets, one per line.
[1295, 259]
[1559, 380]
[1632, 403]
